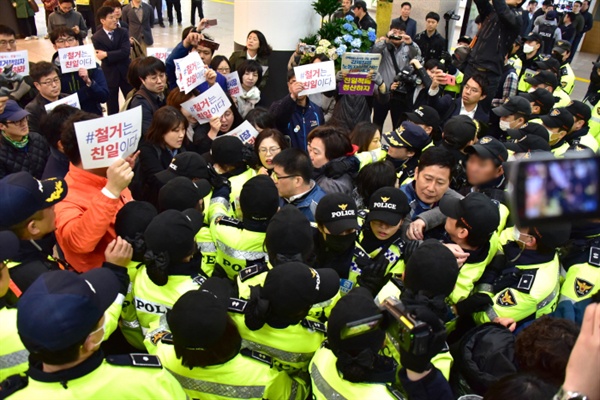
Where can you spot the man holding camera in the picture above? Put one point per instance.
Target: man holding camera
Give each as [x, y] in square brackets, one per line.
[397, 49]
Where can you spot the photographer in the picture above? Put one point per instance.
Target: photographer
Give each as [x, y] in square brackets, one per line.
[411, 85]
[396, 49]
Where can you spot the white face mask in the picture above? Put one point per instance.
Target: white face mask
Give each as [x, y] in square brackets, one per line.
[531, 90]
[517, 235]
[103, 328]
[504, 125]
[527, 48]
[553, 136]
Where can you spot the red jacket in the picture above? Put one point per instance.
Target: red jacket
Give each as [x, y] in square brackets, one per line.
[85, 219]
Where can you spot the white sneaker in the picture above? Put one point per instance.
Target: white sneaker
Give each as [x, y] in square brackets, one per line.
[28, 38]
[36, 38]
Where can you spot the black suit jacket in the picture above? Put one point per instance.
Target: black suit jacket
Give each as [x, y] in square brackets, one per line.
[116, 64]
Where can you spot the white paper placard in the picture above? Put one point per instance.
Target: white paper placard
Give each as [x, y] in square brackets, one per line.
[360, 62]
[316, 78]
[72, 100]
[18, 59]
[74, 58]
[211, 103]
[245, 132]
[234, 86]
[189, 71]
[162, 53]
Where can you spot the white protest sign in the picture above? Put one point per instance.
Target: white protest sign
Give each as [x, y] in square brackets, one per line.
[72, 100]
[189, 71]
[234, 86]
[360, 62]
[211, 103]
[245, 132]
[18, 59]
[316, 78]
[74, 58]
[159, 52]
[103, 140]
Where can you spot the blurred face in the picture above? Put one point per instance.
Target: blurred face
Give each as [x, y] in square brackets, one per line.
[249, 80]
[472, 93]
[431, 25]
[556, 134]
[346, 5]
[15, 130]
[65, 41]
[7, 43]
[531, 6]
[359, 12]
[585, 6]
[405, 12]
[205, 54]
[316, 152]
[432, 183]
[267, 150]
[174, 138]
[223, 68]
[252, 42]
[227, 121]
[576, 8]
[110, 22]
[117, 13]
[481, 170]
[512, 121]
[4, 279]
[155, 82]
[66, 7]
[375, 142]
[188, 116]
[49, 86]
[383, 231]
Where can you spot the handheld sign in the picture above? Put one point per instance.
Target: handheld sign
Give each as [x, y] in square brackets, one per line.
[316, 78]
[18, 59]
[356, 84]
[360, 62]
[211, 103]
[159, 52]
[103, 140]
[73, 58]
[245, 132]
[72, 100]
[234, 86]
[189, 71]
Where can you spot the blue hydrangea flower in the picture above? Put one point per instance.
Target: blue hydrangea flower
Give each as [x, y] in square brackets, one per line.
[347, 38]
[338, 40]
[347, 27]
[341, 50]
[372, 36]
[356, 43]
[350, 18]
[358, 32]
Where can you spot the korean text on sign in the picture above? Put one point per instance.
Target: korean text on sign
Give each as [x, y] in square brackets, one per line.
[190, 71]
[18, 59]
[72, 100]
[234, 86]
[103, 140]
[360, 62]
[74, 58]
[245, 132]
[159, 52]
[316, 78]
[211, 103]
[356, 84]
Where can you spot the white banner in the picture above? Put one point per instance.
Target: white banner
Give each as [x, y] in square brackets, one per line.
[189, 71]
[316, 78]
[211, 103]
[360, 62]
[234, 86]
[19, 61]
[159, 52]
[245, 132]
[74, 58]
[72, 100]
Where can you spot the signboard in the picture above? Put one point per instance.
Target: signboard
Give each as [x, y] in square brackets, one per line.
[18, 59]
[189, 71]
[105, 139]
[74, 58]
[234, 86]
[159, 52]
[212, 103]
[356, 84]
[245, 132]
[316, 78]
[360, 62]
[72, 100]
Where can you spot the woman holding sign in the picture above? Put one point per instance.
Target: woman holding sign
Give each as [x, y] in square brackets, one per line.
[256, 49]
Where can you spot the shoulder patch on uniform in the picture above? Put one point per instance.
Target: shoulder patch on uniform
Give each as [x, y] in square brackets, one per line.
[156, 336]
[506, 299]
[167, 338]
[594, 256]
[257, 356]
[228, 221]
[526, 281]
[199, 279]
[582, 287]
[134, 360]
[362, 214]
[252, 270]
[314, 325]
[237, 305]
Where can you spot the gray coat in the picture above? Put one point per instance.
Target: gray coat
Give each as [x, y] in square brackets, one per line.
[140, 30]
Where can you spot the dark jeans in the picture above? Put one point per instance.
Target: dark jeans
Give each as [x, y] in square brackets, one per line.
[197, 5]
[27, 26]
[493, 82]
[158, 5]
[574, 46]
[380, 112]
[174, 4]
[88, 16]
[112, 104]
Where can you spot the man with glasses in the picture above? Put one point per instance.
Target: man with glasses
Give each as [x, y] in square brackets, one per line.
[65, 15]
[47, 82]
[25, 92]
[151, 95]
[20, 149]
[90, 85]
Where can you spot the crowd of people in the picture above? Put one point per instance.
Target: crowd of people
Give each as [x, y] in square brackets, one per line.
[330, 258]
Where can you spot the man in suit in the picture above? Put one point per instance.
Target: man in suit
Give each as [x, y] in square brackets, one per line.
[527, 16]
[113, 49]
[140, 18]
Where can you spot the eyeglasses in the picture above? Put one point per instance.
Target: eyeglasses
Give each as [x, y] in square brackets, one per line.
[11, 42]
[49, 82]
[67, 40]
[278, 178]
[224, 70]
[155, 78]
[19, 122]
[270, 150]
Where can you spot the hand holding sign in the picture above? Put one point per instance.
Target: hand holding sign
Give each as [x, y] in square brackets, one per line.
[74, 58]
[190, 72]
[211, 103]
[316, 78]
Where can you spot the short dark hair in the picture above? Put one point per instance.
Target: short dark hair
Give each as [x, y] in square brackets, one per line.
[250, 66]
[482, 81]
[7, 30]
[53, 123]
[290, 74]
[103, 12]
[572, 17]
[112, 3]
[472, 240]
[165, 119]
[337, 143]
[273, 134]
[176, 97]
[295, 162]
[520, 386]
[406, 3]
[42, 69]
[362, 135]
[373, 177]
[578, 2]
[66, 1]
[264, 50]
[397, 24]
[149, 66]
[217, 60]
[260, 117]
[432, 15]
[186, 32]
[133, 76]
[437, 156]
[68, 138]
[59, 32]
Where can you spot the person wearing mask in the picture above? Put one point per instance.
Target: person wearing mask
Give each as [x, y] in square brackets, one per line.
[558, 123]
[513, 114]
[151, 95]
[579, 135]
[562, 52]
[139, 17]
[113, 50]
[411, 24]
[541, 101]
[362, 18]
[471, 102]
[532, 49]
[295, 115]
[325, 145]
[20, 148]
[89, 84]
[547, 80]
[531, 137]
[431, 43]
[65, 15]
[292, 174]
[47, 81]
[267, 145]
[344, 10]
[405, 146]
[257, 48]
[206, 354]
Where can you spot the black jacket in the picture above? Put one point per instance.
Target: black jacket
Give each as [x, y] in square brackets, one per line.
[37, 110]
[366, 23]
[150, 102]
[153, 159]
[32, 158]
[32, 261]
[449, 107]
[431, 47]
[116, 64]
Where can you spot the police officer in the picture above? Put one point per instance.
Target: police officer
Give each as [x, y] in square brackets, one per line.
[405, 146]
[579, 133]
[204, 353]
[513, 114]
[553, 65]
[532, 48]
[427, 118]
[541, 101]
[68, 362]
[531, 137]
[558, 123]
[547, 80]
[562, 51]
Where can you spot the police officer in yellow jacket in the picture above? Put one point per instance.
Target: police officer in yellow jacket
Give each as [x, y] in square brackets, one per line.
[405, 146]
[60, 320]
[562, 51]
[558, 123]
[579, 134]
[201, 348]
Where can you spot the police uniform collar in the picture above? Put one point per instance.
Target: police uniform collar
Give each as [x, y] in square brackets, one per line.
[255, 226]
[478, 255]
[578, 134]
[527, 257]
[92, 363]
[29, 252]
[497, 183]
[189, 268]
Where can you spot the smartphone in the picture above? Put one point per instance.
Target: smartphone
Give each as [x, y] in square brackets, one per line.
[551, 190]
[210, 44]
[450, 80]
[211, 22]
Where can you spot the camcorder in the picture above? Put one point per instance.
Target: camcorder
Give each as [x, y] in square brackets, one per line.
[451, 15]
[544, 189]
[407, 80]
[404, 330]
[10, 81]
[307, 48]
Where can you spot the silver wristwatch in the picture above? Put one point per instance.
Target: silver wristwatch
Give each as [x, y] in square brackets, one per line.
[569, 395]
